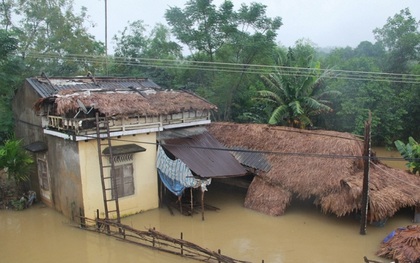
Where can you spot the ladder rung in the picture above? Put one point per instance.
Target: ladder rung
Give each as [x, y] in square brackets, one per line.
[111, 200]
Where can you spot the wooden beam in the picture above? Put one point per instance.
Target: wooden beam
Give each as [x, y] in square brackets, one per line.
[366, 165]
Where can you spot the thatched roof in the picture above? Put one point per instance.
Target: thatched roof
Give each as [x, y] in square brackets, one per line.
[128, 103]
[324, 165]
[403, 244]
[389, 190]
[117, 97]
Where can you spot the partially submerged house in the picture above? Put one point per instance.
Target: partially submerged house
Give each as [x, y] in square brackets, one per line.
[95, 140]
[323, 166]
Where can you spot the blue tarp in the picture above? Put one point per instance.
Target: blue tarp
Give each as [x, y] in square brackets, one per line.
[173, 185]
[176, 175]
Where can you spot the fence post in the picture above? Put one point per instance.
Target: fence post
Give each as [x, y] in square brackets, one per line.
[82, 218]
[153, 239]
[182, 245]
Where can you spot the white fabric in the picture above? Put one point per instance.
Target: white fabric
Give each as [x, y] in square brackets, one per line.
[179, 171]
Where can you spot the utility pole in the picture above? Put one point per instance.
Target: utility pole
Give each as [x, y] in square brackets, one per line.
[366, 165]
[106, 37]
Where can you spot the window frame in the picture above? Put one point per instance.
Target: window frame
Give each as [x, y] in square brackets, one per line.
[124, 176]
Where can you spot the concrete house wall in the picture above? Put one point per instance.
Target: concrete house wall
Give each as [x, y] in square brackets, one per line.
[62, 156]
[72, 164]
[65, 176]
[145, 176]
[28, 126]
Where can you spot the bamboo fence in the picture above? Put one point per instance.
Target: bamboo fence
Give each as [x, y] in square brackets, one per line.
[154, 239]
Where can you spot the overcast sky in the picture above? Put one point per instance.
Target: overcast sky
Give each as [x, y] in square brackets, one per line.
[327, 23]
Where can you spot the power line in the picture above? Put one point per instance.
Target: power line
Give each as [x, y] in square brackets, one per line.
[238, 68]
[396, 178]
[293, 154]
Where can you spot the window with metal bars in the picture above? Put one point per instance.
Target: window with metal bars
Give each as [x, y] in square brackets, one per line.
[123, 168]
[43, 175]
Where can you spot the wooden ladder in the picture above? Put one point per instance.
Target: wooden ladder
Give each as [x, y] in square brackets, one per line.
[107, 172]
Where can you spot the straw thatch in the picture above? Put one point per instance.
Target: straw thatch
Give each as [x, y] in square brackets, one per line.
[112, 103]
[403, 244]
[267, 198]
[324, 165]
[389, 190]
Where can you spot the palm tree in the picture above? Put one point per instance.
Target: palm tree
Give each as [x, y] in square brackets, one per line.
[295, 94]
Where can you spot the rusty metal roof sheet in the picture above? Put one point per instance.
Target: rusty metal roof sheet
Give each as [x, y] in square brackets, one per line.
[181, 133]
[204, 155]
[251, 159]
[46, 87]
[114, 96]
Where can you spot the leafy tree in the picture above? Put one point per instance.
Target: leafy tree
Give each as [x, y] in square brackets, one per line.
[139, 53]
[223, 35]
[411, 153]
[16, 161]
[51, 37]
[10, 79]
[360, 95]
[199, 25]
[401, 38]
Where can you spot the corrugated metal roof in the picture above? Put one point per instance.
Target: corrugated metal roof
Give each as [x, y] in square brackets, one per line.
[251, 159]
[181, 133]
[38, 146]
[205, 156]
[124, 149]
[46, 87]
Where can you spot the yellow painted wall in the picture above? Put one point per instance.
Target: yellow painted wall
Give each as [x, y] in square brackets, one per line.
[145, 176]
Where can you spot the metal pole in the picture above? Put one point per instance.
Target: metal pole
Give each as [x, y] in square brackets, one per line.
[366, 165]
[106, 37]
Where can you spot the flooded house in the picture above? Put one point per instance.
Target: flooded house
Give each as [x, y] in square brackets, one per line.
[325, 167]
[95, 142]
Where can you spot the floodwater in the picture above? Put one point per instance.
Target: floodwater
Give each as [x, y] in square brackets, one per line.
[391, 158]
[303, 234]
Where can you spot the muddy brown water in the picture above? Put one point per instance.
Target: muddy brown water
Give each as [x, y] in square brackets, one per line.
[303, 234]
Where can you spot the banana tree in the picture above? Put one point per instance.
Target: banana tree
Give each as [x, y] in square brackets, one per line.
[411, 153]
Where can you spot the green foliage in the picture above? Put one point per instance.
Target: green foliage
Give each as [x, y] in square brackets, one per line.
[19, 204]
[15, 160]
[300, 94]
[221, 34]
[401, 37]
[145, 55]
[48, 29]
[361, 96]
[411, 153]
[11, 70]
